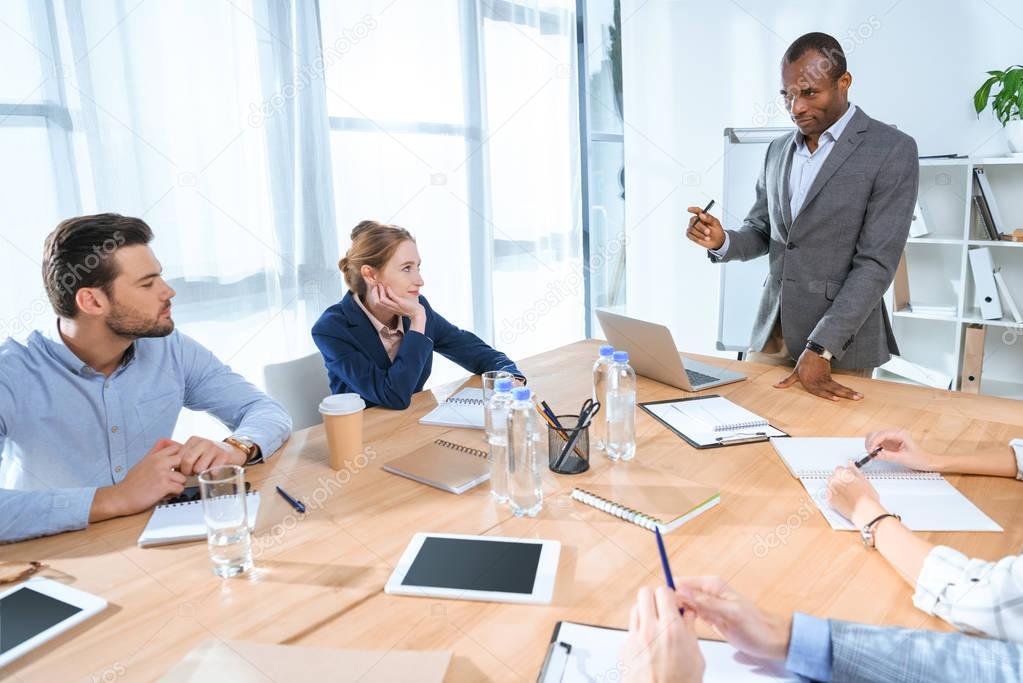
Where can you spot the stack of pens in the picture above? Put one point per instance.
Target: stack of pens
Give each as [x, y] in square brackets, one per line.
[569, 447]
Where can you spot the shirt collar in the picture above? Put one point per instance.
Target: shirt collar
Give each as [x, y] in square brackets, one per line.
[56, 346]
[834, 131]
[379, 326]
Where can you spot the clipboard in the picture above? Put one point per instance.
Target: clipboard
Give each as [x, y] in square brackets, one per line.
[755, 435]
[594, 657]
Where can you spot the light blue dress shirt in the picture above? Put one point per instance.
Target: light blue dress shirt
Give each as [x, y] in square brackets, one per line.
[806, 166]
[810, 648]
[66, 430]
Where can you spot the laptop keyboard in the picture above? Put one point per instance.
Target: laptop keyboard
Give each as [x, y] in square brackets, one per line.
[697, 378]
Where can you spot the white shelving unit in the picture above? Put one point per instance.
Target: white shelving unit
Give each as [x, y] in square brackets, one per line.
[939, 276]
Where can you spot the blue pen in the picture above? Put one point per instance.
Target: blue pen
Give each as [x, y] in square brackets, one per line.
[297, 504]
[667, 567]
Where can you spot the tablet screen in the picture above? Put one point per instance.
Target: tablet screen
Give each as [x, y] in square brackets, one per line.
[26, 613]
[475, 564]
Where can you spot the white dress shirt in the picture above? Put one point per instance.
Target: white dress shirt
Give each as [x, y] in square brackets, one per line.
[975, 596]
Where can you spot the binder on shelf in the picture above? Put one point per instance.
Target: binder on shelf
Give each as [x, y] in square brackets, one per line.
[983, 214]
[1003, 291]
[901, 291]
[984, 187]
[918, 227]
[985, 292]
[973, 359]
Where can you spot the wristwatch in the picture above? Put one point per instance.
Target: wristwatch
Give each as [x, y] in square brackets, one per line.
[867, 532]
[246, 446]
[819, 350]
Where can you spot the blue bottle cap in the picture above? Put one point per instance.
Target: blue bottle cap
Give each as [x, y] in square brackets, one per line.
[503, 385]
[522, 393]
[606, 351]
[621, 357]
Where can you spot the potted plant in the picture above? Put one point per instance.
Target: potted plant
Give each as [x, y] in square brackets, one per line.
[1007, 103]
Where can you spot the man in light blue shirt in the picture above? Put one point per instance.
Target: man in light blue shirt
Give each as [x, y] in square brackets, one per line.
[87, 407]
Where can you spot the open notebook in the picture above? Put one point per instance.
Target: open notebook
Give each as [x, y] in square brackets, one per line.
[924, 500]
[444, 465]
[464, 409]
[579, 653]
[710, 421]
[180, 522]
[647, 498]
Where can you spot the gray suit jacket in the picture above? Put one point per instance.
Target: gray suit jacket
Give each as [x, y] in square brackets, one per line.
[864, 653]
[831, 266]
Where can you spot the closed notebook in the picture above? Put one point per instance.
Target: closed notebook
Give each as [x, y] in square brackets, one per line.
[924, 500]
[648, 498]
[180, 522]
[464, 409]
[444, 465]
[240, 661]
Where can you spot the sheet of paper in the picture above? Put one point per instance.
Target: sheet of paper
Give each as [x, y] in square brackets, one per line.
[822, 455]
[697, 419]
[923, 504]
[595, 658]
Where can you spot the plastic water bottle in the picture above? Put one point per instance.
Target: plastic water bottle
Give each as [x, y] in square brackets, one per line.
[526, 455]
[621, 409]
[496, 415]
[598, 429]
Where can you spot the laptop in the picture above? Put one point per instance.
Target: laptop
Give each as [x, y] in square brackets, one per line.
[653, 354]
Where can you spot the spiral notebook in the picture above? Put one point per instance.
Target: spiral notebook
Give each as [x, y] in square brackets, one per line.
[464, 409]
[711, 421]
[180, 522]
[926, 501]
[444, 465]
[648, 498]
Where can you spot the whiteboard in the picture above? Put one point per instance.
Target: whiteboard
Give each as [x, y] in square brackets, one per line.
[741, 282]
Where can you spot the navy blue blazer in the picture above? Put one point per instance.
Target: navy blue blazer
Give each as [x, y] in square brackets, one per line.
[357, 363]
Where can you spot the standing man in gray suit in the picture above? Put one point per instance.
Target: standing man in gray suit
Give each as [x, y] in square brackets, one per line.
[834, 202]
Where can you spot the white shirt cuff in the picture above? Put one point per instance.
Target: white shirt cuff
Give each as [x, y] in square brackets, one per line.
[1017, 446]
[720, 253]
[943, 566]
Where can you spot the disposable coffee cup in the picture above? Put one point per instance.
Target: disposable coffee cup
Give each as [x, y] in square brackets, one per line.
[342, 420]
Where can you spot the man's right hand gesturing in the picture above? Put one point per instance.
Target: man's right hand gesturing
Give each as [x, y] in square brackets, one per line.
[151, 480]
[704, 229]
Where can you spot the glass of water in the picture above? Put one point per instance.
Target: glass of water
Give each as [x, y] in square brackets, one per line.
[490, 381]
[227, 520]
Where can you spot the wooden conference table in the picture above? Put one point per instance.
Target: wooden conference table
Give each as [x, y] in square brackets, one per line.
[319, 579]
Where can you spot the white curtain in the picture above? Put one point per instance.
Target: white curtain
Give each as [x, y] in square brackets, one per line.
[253, 134]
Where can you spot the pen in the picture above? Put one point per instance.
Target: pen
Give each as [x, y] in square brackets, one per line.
[705, 210]
[868, 457]
[664, 563]
[297, 504]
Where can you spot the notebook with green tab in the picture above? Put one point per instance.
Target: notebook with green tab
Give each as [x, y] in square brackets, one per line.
[648, 498]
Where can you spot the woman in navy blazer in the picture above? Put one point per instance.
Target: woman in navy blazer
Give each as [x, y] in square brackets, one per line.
[378, 341]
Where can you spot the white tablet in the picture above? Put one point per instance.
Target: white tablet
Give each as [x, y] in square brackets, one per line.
[488, 568]
[37, 610]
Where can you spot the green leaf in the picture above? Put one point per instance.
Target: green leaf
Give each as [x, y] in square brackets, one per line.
[980, 97]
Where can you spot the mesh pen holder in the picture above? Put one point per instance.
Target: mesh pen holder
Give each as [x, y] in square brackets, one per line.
[572, 461]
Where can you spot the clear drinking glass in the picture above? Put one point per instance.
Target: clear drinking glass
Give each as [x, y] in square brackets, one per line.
[227, 520]
[490, 380]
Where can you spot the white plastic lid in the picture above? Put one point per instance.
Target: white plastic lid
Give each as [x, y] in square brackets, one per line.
[342, 404]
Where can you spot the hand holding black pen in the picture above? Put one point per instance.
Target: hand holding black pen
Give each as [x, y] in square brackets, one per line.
[704, 229]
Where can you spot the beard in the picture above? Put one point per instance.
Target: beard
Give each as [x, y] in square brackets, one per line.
[132, 323]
